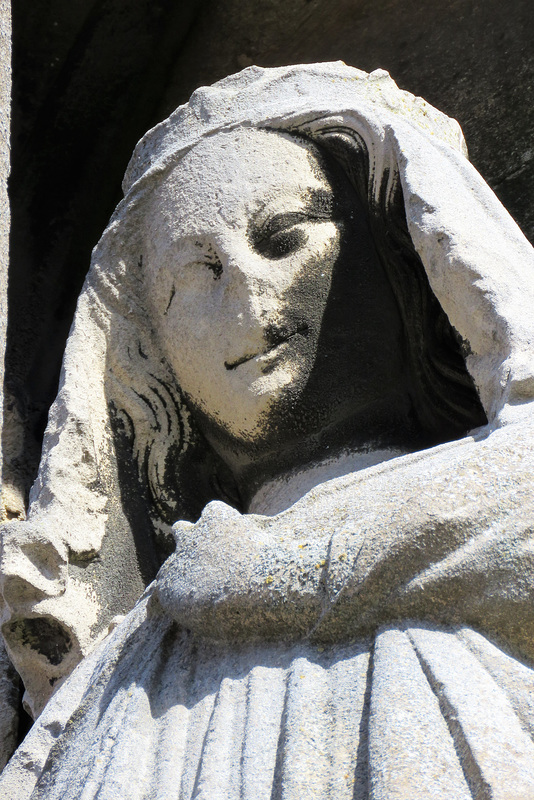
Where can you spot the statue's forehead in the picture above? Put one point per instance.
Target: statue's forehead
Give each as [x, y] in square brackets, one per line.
[247, 153]
[236, 173]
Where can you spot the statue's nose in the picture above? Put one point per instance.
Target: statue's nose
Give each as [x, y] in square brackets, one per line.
[251, 277]
[251, 294]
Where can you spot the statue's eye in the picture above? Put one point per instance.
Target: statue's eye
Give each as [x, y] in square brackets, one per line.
[216, 267]
[283, 243]
[280, 236]
[212, 260]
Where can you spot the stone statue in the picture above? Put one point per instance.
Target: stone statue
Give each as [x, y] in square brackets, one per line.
[295, 417]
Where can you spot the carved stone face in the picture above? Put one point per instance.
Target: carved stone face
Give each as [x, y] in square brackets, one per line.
[268, 299]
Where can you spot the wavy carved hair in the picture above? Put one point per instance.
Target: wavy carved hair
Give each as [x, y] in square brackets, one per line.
[176, 468]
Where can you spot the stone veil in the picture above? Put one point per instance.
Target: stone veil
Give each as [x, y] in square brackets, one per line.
[369, 637]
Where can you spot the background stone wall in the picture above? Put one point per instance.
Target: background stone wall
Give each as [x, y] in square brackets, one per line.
[90, 76]
[5, 111]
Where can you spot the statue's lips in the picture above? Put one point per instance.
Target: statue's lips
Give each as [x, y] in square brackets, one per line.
[277, 338]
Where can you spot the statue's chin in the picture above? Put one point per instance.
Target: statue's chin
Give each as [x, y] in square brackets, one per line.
[256, 406]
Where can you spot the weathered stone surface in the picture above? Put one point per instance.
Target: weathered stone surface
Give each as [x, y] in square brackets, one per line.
[367, 626]
[409, 710]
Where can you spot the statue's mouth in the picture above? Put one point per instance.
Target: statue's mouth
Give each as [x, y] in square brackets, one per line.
[276, 337]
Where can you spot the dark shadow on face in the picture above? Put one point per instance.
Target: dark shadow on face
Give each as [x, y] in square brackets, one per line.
[444, 402]
[357, 393]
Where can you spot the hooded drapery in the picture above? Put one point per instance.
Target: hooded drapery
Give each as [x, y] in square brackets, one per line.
[378, 578]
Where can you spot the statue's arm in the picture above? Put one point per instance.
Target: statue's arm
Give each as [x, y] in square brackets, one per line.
[452, 540]
[242, 576]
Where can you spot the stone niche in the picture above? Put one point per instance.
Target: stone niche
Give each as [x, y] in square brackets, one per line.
[87, 85]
